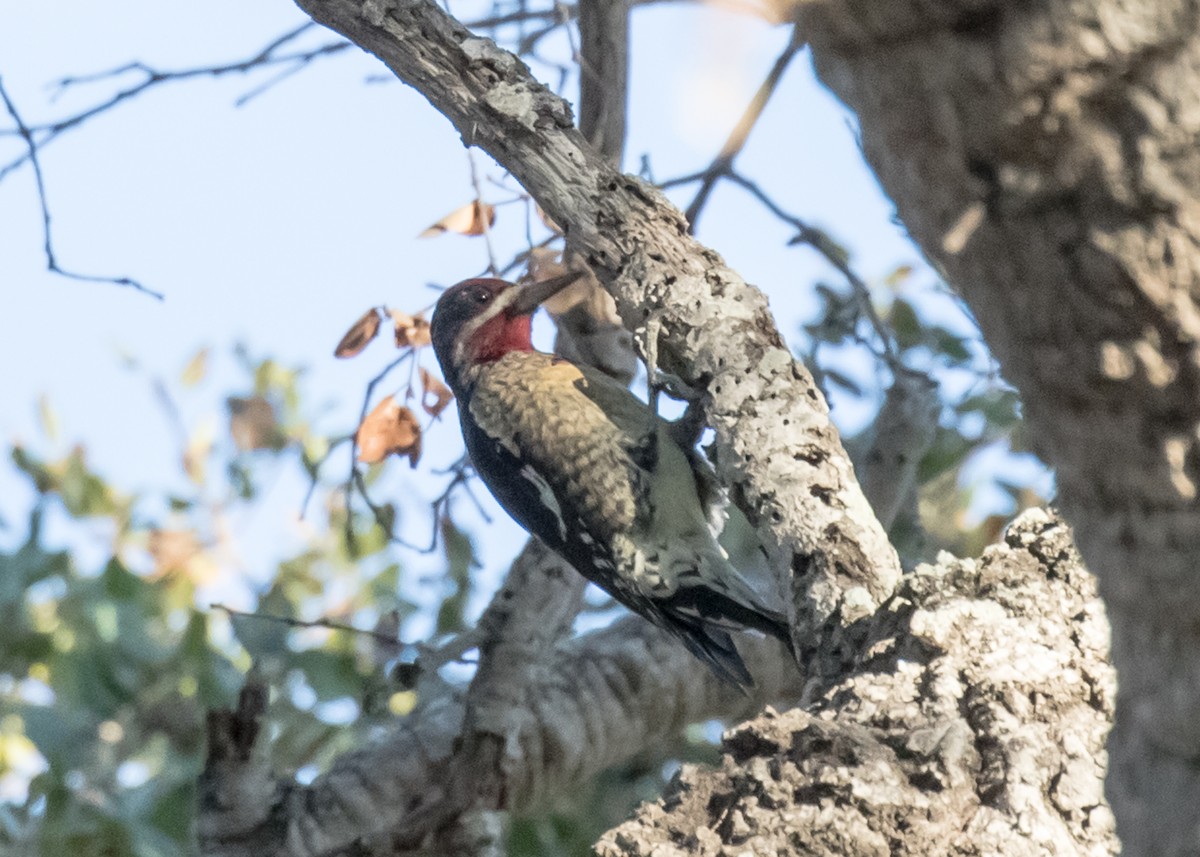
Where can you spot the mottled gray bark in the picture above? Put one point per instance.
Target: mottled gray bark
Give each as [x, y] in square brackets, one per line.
[1045, 156]
[976, 725]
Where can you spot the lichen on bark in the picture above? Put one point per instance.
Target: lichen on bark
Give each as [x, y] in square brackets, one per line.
[974, 724]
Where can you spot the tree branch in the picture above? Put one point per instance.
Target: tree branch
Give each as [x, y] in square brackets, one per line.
[603, 75]
[775, 446]
[976, 727]
[531, 727]
[573, 710]
[722, 165]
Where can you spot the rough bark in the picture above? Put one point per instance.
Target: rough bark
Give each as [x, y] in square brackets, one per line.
[1045, 155]
[976, 726]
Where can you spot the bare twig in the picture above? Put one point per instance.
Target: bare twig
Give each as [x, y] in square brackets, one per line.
[484, 219]
[313, 468]
[304, 623]
[52, 264]
[723, 163]
[819, 241]
[41, 135]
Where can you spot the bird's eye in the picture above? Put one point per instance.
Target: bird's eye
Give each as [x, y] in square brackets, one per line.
[483, 296]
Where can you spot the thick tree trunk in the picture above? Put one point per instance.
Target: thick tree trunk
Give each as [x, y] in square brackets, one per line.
[1045, 155]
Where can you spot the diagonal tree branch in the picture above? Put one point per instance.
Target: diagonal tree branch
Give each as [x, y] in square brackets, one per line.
[775, 446]
[722, 165]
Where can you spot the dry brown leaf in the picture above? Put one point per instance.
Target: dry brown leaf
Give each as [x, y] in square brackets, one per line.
[547, 222]
[359, 335]
[440, 393]
[410, 329]
[546, 264]
[252, 423]
[474, 218]
[389, 428]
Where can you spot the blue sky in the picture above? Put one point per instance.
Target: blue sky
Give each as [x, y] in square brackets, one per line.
[278, 223]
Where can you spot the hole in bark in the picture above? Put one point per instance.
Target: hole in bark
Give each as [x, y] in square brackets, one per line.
[926, 781]
[978, 23]
[982, 170]
[800, 566]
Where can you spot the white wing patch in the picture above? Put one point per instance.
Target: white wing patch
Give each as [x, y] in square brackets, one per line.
[547, 498]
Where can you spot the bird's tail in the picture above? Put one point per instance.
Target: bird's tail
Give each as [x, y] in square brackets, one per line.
[704, 616]
[715, 648]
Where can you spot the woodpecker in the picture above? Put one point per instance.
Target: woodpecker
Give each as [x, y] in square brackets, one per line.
[595, 473]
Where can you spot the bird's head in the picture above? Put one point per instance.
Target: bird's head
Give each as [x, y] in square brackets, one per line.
[481, 320]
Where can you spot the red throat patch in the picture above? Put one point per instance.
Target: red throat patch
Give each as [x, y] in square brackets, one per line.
[501, 335]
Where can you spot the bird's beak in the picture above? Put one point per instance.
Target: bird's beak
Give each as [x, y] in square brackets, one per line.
[530, 297]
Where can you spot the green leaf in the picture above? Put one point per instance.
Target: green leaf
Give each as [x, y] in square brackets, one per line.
[331, 675]
[949, 450]
[905, 324]
[29, 565]
[1000, 408]
[949, 345]
[460, 558]
[265, 636]
[60, 733]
